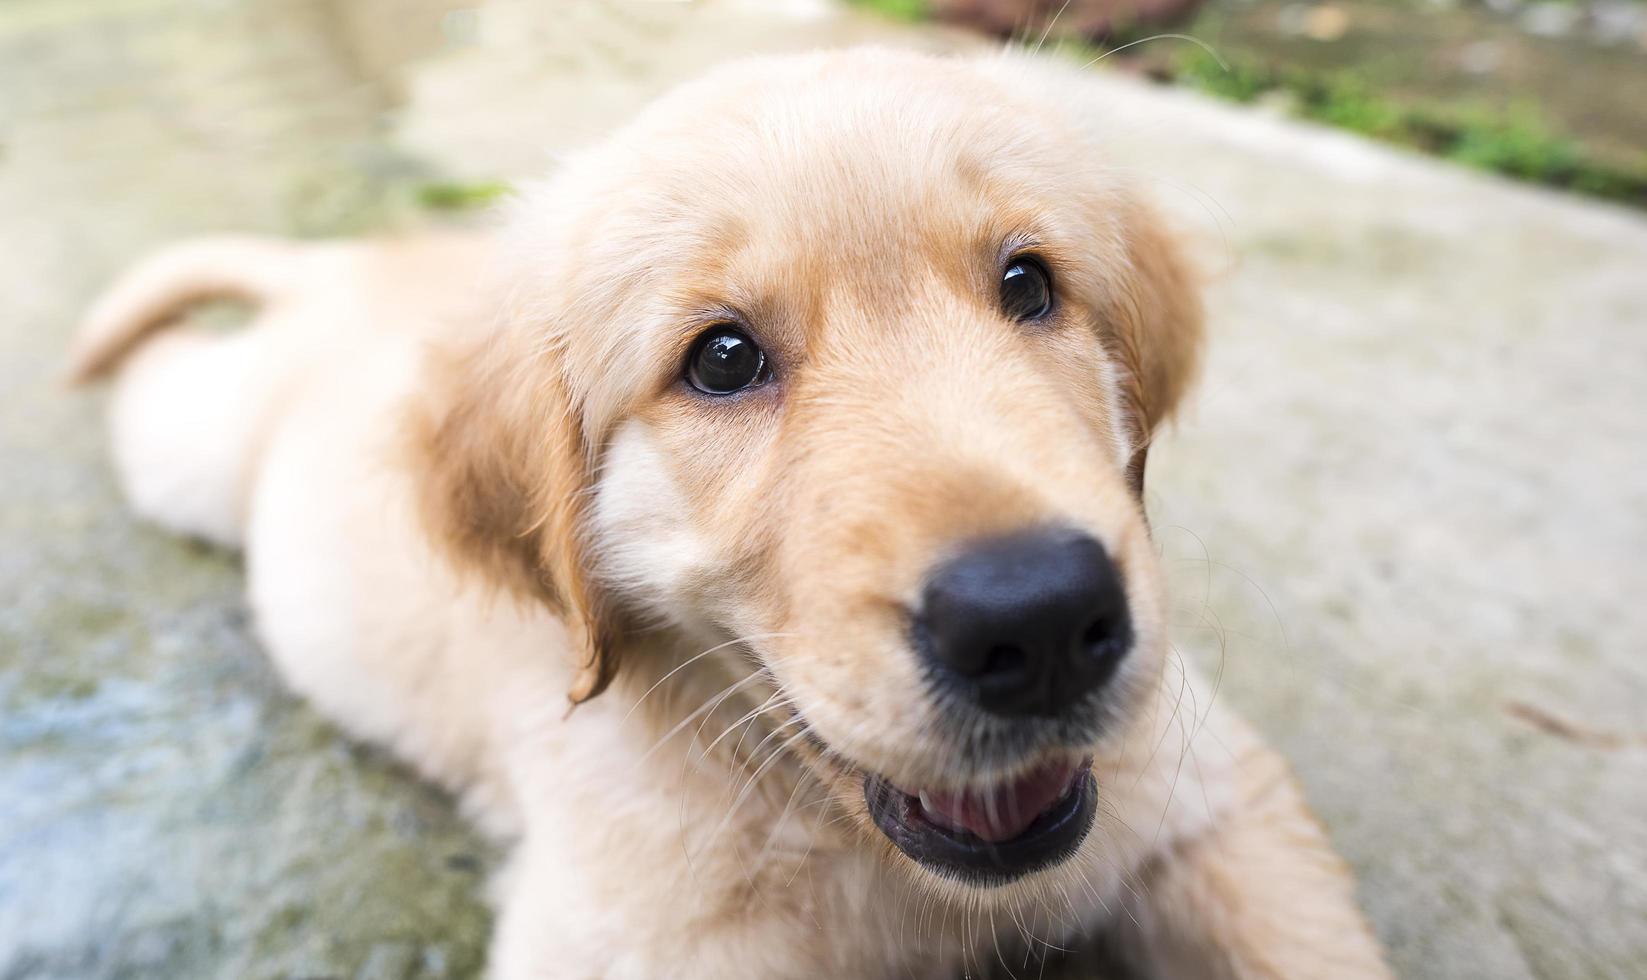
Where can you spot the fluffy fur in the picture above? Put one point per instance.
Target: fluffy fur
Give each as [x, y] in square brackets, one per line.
[470, 484]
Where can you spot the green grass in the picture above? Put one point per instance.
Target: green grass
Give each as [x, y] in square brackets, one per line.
[455, 196]
[904, 10]
[1517, 143]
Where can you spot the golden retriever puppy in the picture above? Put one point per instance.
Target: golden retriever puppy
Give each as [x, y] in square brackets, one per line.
[797, 435]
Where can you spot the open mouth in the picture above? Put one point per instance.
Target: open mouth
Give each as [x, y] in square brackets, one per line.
[990, 835]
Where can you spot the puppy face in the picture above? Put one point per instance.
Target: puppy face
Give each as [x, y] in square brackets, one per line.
[851, 359]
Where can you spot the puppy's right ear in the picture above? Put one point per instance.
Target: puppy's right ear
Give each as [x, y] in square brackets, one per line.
[503, 477]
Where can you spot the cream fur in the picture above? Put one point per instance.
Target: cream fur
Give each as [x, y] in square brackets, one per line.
[467, 481]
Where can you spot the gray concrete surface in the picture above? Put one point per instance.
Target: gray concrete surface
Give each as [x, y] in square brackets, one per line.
[1404, 519]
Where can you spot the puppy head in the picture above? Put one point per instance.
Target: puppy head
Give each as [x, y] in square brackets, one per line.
[851, 359]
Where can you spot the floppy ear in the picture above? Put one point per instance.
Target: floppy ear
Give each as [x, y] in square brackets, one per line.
[1159, 330]
[503, 474]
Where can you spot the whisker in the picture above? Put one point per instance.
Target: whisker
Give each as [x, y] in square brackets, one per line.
[708, 706]
[1045, 33]
[694, 659]
[772, 835]
[748, 787]
[1204, 46]
[1183, 685]
[765, 706]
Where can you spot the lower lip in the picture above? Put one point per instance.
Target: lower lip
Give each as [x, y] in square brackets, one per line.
[1046, 843]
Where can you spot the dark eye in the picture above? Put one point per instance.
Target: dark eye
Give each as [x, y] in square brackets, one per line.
[1026, 290]
[725, 360]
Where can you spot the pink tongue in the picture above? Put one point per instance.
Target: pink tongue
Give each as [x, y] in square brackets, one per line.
[1001, 812]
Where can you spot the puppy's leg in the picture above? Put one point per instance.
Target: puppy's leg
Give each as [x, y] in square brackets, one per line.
[182, 422]
[1261, 896]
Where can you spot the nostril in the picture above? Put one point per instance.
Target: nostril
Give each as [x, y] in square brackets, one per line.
[1107, 632]
[1004, 659]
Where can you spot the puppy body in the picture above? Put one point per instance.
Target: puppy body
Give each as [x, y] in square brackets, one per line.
[463, 493]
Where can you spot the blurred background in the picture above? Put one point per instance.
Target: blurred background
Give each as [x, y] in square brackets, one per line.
[1404, 519]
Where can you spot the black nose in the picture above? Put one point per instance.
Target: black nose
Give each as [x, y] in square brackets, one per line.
[1027, 624]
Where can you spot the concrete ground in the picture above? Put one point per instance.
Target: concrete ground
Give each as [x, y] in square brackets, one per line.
[1405, 517]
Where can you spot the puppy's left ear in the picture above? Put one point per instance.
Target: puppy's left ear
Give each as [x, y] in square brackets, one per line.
[503, 479]
[1159, 329]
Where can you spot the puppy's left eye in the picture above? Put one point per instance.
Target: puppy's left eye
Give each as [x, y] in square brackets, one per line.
[1026, 290]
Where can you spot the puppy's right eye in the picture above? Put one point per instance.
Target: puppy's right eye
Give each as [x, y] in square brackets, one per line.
[725, 360]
